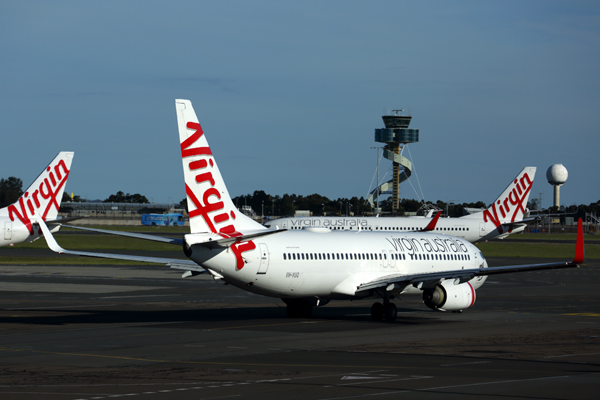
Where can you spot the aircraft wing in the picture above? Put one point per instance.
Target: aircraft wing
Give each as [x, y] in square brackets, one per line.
[131, 235]
[426, 280]
[188, 265]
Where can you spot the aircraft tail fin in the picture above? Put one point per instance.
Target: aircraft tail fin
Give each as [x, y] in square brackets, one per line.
[510, 206]
[210, 206]
[45, 193]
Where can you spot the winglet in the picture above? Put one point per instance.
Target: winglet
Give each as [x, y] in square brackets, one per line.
[433, 223]
[579, 249]
[54, 246]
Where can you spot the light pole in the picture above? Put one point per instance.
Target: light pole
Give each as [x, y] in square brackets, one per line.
[377, 183]
[448, 203]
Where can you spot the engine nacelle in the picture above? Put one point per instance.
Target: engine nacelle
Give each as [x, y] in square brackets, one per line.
[449, 297]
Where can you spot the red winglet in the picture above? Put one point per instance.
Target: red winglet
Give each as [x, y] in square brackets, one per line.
[579, 250]
[433, 223]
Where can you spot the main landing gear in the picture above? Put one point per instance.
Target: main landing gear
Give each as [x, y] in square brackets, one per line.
[385, 311]
[297, 308]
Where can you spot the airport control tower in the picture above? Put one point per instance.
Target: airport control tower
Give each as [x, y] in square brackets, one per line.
[395, 135]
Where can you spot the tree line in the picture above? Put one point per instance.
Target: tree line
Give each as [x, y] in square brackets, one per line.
[286, 205]
[275, 205]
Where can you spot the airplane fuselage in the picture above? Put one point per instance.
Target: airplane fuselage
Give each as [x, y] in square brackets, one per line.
[472, 228]
[13, 232]
[294, 264]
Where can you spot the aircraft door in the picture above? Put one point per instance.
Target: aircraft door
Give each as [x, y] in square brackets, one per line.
[384, 259]
[392, 259]
[481, 229]
[8, 230]
[264, 259]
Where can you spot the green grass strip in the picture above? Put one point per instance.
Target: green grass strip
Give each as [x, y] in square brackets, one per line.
[554, 236]
[67, 260]
[557, 251]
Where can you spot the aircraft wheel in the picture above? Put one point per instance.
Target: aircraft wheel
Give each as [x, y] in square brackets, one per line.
[292, 310]
[298, 308]
[377, 311]
[390, 312]
[305, 309]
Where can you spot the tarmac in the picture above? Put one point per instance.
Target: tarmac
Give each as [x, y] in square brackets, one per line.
[108, 332]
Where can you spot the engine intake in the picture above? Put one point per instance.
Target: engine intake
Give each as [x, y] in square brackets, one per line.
[449, 297]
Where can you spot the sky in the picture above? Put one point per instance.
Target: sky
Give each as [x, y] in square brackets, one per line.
[289, 94]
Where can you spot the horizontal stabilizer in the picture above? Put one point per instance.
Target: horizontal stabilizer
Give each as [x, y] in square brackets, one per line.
[215, 240]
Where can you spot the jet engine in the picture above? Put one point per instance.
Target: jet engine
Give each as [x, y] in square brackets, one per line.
[447, 296]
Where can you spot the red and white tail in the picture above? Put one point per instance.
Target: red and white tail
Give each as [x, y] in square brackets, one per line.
[510, 206]
[210, 207]
[44, 195]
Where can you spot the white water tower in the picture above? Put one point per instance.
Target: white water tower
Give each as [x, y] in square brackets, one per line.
[557, 175]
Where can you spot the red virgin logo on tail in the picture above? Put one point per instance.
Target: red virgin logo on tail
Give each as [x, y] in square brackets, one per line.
[46, 192]
[513, 203]
[210, 207]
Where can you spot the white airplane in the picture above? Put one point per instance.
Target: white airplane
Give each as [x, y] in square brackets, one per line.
[503, 217]
[43, 197]
[310, 267]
